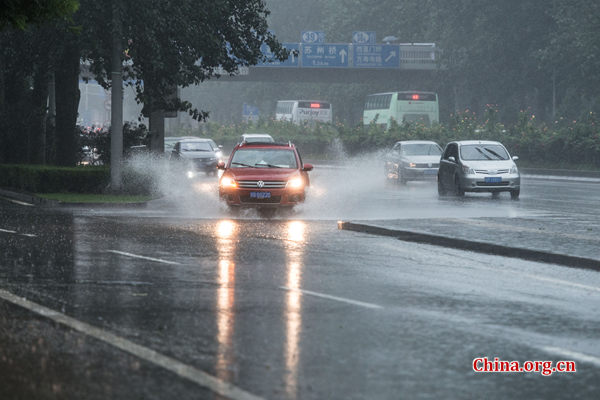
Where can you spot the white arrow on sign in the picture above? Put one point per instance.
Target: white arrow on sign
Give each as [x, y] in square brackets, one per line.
[392, 55]
[343, 54]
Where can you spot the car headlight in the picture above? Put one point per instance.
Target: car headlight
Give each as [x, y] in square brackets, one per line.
[228, 182]
[190, 174]
[468, 170]
[514, 170]
[295, 183]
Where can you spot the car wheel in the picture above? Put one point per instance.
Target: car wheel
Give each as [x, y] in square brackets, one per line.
[441, 189]
[514, 194]
[458, 190]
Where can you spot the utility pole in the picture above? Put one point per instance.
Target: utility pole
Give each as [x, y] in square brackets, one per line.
[116, 109]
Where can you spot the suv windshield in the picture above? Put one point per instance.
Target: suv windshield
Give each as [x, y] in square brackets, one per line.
[196, 146]
[421, 149]
[483, 152]
[264, 158]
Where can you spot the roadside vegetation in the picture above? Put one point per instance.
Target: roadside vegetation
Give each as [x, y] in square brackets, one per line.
[568, 144]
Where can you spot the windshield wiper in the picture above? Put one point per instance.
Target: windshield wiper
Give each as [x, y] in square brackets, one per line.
[243, 165]
[494, 153]
[267, 165]
[481, 151]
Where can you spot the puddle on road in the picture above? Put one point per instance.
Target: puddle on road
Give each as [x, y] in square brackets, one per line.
[353, 188]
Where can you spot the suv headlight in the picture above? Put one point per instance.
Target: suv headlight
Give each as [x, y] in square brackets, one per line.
[295, 183]
[468, 170]
[514, 170]
[228, 182]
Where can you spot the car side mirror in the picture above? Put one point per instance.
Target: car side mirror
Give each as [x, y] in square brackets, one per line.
[221, 165]
[515, 158]
[451, 158]
[307, 167]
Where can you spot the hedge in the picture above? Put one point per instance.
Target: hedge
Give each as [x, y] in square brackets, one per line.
[50, 179]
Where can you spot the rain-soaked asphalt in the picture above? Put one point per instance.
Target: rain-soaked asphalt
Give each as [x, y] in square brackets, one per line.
[180, 300]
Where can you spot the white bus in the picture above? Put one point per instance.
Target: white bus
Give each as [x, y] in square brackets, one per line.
[407, 106]
[303, 111]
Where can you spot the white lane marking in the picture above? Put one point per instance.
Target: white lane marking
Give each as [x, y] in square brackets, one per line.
[143, 257]
[326, 296]
[15, 233]
[21, 203]
[573, 355]
[197, 376]
[562, 282]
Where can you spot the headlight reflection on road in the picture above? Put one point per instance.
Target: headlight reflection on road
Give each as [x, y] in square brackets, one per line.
[226, 232]
[296, 234]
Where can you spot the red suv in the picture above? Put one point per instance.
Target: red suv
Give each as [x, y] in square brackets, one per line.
[264, 175]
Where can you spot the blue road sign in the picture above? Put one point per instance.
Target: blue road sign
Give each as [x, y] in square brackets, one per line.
[250, 112]
[376, 56]
[313, 37]
[292, 60]
[325, 55]
[363, 37]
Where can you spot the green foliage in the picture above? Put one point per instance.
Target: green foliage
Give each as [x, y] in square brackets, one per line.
[169, 45]
[21, 13]
[563, 143]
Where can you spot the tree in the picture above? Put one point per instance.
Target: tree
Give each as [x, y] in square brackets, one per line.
[21, 13]
[167, 46]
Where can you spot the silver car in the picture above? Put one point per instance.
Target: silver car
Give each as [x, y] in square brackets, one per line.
[412, 160]
[478, 166]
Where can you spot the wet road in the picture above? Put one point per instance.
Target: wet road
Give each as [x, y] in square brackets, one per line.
[178, 300]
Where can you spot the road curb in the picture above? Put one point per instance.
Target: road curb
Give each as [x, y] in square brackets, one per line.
[475, 246]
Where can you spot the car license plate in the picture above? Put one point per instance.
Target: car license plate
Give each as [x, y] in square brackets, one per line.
[430, 171]
[493, 179]
[260, 195]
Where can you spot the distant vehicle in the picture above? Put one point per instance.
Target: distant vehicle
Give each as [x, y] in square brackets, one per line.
[264, 175]
[478, 166]
[303, 111]
[170, 142]
[198, 154]
[256, 138]
[408, 106]
[413, 160]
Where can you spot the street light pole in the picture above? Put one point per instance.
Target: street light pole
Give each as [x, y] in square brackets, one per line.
[116, 112]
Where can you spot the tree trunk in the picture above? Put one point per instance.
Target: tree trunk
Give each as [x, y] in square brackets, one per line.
[67, 102]
[157, 131]
[116, 110]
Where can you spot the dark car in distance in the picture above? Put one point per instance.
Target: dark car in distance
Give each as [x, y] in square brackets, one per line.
[198, 155]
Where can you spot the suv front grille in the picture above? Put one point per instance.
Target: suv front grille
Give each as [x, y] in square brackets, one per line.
[270, 200]
[266, 184]
[486, 172]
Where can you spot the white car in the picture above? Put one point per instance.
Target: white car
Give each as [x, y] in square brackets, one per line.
[256, 138]
[478, 166]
